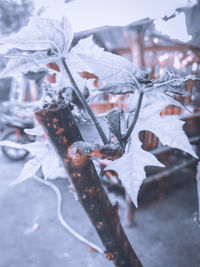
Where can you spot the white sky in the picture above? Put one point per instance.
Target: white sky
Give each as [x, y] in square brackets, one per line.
[88, 14]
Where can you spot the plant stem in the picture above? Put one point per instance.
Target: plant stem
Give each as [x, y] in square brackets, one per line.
[60, 125]
[84, 103]
[62, 220]
[126, 136]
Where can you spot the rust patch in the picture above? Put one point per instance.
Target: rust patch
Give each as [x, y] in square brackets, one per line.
[109, 256]
[55, 120]
[92, 190]
[59, 131]
[64, 140]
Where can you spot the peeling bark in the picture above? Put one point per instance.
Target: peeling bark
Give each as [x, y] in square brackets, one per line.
[63, 132]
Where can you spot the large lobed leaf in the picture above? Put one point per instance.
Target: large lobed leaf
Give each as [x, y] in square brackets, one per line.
[117, 75]
[41, 34]
[29, 169]
[44, 157]
[46, 38]
[34, 62]
[130, 167]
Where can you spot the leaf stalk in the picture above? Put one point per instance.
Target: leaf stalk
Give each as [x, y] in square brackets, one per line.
[126, 136]
[84, 103]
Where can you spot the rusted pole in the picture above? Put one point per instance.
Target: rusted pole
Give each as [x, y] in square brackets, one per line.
[63, 132]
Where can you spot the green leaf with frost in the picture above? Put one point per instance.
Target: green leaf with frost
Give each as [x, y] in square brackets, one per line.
[38, 148]
[42, 34]
[34, 62]
[44, 157]
[50, 164]
[169, 130]
[37, 131]
[111, 69]
[107, 65]
[130, 167]
[77, 65]
[59, 173]
[11, 144]
[121, 88]
[114, 122]
[29, 169]
[170, 82]
[86, 47]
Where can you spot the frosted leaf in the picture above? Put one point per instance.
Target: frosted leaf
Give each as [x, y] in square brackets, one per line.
[60, 172]
[50, 164]
[172, 83]
[110, 68]
[87, 47]
[170, 132]
[38, 131]
[22, 64]
[122, 88]
[113, 117]
[130, 167]
[42, 34]
[37, 148]
[44, 156]
[106, 65]
[29, 169]
[76, 64]
[11, 144]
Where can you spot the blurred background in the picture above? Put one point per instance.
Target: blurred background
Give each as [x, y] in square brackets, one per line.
[157, 36]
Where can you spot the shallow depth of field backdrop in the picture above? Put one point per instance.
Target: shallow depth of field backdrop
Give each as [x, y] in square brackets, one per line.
[37, 215]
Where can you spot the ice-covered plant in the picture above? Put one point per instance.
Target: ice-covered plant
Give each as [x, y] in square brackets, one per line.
[45, 42]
